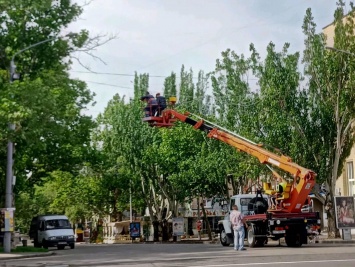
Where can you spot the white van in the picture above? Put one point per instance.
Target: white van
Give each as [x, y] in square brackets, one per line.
[52, 231]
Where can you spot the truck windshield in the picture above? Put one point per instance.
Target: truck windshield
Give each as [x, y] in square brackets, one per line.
[57, 224]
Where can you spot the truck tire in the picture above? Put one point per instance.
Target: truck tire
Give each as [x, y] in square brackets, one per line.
[293, 240]
[72, 246]
[255, 241]
[251, 236]
[223, 238]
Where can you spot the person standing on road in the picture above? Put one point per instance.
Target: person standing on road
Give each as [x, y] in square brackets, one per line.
[237, 221]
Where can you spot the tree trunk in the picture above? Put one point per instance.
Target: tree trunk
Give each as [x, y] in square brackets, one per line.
[156, 231]
[333, 231]
[207, 223]
[164, 227]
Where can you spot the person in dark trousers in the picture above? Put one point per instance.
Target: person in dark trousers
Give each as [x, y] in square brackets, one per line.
[161, 103]
[152, 105]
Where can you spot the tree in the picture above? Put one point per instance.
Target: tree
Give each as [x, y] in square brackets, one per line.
[331, 95]
[46, 105]
[170, 85]
[141, 84]
[237, 109]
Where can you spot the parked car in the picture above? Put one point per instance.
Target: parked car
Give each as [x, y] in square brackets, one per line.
[52, 231]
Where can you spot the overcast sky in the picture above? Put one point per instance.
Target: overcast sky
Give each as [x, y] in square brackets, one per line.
[158, 36]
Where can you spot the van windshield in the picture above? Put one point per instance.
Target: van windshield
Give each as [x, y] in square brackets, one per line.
[57, 224]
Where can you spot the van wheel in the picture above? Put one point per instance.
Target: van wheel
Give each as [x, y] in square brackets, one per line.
[44, 244]
[72, 246]
[61, 247]
[36, 244]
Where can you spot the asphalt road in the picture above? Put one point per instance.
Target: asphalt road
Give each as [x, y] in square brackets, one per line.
[197, 255]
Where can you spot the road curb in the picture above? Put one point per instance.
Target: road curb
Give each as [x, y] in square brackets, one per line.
[337, 241]
[182, 242]
[24, 256]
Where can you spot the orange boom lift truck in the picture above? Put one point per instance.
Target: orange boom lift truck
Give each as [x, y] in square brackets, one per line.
[285, 219]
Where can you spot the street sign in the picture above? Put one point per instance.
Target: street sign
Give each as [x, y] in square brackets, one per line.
[178, 226]
[7, 220]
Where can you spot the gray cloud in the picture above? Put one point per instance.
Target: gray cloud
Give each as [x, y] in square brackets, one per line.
[159, 36]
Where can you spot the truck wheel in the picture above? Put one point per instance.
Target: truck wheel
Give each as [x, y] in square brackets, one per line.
[261, 241]
[223, 238]
[72, 246]
[251, 236]
[293, 240]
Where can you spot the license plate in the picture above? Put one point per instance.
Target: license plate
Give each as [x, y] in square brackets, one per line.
[279, 232]
[62, 243]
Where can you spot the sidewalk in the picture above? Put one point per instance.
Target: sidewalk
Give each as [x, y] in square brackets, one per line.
[323, 238]
[14, 256]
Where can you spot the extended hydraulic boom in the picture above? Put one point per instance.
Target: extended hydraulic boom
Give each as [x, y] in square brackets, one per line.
[304, 179]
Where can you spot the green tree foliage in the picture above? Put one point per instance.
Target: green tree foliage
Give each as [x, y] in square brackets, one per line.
[52, 133]
[186, 88]
[122, 139]
[61, 193]
[283, 106]
[141, 85]
[237, 109]
[170, 85]
[331, 97]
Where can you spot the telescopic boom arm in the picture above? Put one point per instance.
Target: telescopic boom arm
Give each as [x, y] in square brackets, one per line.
[304, 179]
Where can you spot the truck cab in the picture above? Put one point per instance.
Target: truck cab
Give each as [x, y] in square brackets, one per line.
[52, 231]
[262, 224]
[245, 204]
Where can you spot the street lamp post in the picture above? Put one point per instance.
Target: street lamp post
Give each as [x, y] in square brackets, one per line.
[10, 149]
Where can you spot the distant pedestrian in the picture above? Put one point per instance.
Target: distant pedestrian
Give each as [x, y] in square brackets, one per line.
[161, 103]
[237, 221]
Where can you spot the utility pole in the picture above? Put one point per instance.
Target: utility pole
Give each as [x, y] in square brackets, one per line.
[10, 150]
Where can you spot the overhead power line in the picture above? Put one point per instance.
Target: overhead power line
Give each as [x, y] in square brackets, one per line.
[132, 75]
[119, 74]
[107, 84]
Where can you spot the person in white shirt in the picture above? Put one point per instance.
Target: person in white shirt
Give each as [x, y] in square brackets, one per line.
[237, 221]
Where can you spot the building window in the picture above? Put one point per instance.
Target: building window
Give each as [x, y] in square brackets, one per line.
[350, 177]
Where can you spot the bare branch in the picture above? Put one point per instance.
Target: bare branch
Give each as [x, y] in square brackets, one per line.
[95, 57]
[82, 64]
[91, 45]
[87, 3]
[95, 42]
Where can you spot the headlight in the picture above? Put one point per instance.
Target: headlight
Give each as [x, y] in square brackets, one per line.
[278, 222]
[52, 238]
[271, 222]
[70, 237]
